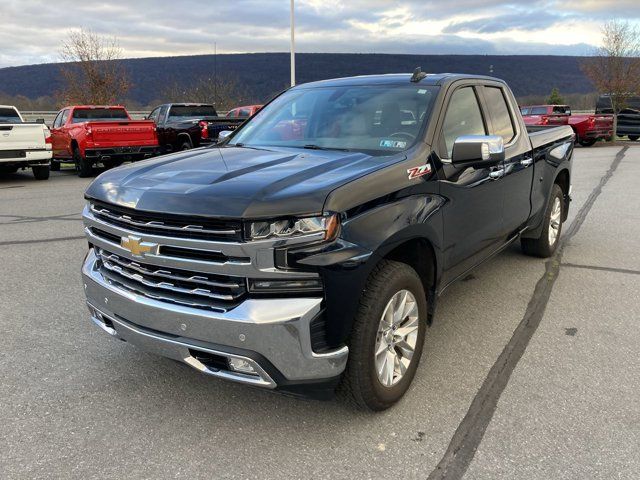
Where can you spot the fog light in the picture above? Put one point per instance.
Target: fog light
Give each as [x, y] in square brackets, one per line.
[242, 366]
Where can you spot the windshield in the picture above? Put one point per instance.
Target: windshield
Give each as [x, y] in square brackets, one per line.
[9, 115]
[99, 115]
[192, 111]
[376, 119]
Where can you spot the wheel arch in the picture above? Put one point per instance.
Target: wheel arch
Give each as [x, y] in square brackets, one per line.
[563, 180]
[420, 255]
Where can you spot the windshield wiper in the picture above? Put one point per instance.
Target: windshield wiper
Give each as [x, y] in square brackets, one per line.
[318, 147]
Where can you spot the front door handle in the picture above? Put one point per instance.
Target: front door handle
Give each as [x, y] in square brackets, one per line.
[496, 174]
[526, 162]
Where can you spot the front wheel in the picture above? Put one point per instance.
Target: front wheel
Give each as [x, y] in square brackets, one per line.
[387, 338]
[55, 166]
[633, 138]
[41, 172]
[547, 243]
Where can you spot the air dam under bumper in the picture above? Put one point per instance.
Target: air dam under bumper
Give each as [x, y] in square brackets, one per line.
[272, 335]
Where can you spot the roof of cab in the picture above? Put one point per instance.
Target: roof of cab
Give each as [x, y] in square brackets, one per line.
[396, 79]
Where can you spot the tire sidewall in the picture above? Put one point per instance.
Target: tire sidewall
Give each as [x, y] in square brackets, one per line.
[404, 278]
[556, 192]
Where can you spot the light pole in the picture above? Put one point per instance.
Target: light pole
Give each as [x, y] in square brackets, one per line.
[293, 49]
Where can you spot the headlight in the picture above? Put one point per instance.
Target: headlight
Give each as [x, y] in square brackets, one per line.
[295, 227]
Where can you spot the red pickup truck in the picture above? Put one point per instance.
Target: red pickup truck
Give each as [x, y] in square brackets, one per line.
[589, 128]
[88, 134]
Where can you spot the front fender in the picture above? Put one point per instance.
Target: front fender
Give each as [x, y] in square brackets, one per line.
[366, 239]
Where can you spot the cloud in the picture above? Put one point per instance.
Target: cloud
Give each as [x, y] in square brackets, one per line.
[33, 31]
[501, 23]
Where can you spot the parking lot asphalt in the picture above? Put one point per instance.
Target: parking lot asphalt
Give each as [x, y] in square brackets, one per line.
[530, 371]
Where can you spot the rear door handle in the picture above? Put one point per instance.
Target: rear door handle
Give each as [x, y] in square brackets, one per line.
[526, 162]
[496, 174]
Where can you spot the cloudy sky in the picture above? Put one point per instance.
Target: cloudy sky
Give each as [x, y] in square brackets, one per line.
[32, 30]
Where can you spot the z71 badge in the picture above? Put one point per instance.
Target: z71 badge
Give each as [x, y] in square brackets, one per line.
[420, 171]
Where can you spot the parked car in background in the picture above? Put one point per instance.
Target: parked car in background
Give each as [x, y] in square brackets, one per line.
[310, 248]
[628, 122]
[545, 114]
[589, 128]
[182, 126]
[90, 134]
[23, 145]
[244, 112]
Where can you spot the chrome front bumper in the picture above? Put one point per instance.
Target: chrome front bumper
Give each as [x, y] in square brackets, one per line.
[272, 335]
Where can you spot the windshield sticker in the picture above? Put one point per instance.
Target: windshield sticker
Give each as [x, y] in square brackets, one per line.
[422, 91]
[420, 171]
[386, 143]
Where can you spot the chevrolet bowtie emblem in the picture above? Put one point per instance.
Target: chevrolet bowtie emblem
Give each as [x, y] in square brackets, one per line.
[137, 247]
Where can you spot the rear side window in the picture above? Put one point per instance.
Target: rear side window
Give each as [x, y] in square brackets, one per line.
[463, 117]
[9, 115]
[538, 111]
[500, 116]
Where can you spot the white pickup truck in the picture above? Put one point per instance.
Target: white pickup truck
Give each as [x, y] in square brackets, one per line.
[23, 145]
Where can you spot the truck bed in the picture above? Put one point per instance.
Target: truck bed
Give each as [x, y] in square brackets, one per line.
[540, 135]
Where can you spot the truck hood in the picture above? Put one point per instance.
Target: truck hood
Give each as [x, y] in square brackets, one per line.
[235, 182]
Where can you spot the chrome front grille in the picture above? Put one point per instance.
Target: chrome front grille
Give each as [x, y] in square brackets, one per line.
[218, 292]
[168, 225]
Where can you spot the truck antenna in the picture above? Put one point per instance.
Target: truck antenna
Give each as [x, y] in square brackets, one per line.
[418, 75]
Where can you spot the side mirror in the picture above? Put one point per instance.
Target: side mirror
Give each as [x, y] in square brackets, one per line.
[224, 134]
[40, 120]
[477, 150]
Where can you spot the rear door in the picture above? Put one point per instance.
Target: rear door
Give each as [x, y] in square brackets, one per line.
[473, 213]
[60, 139]
[518, 164]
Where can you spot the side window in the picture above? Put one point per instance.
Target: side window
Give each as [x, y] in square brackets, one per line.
[500, 116]
[58, 121]
[154, 115]
[463, 117]
[65, 117]
[162, 116]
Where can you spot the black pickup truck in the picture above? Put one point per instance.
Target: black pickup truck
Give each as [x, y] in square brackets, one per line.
[306, 252]
[182, 126]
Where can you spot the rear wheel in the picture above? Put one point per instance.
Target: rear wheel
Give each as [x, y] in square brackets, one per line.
[633, 138]
[5, 169]
[111, 163]
[41, 172]
[587, 142]
[387, 338]
[186, 145]
[547, 243]
[83, 167]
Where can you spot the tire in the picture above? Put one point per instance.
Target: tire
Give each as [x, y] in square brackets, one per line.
[41, 173]
[8, 170]
[633, 138]
[588, 142]
[544, 246]
[55, 166]
[83, 167]
[186, 145]
[108, 164]
[361, 384]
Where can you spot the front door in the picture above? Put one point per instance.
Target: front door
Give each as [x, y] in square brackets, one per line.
[472, 215]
